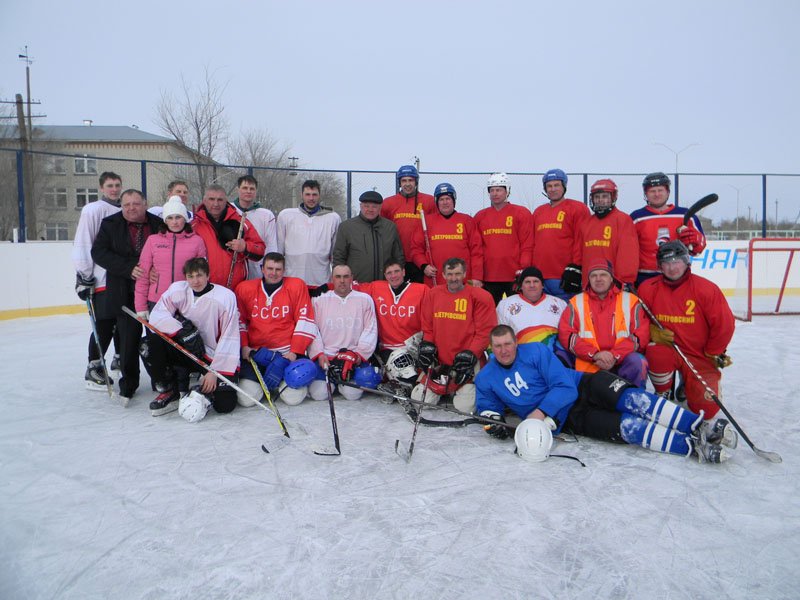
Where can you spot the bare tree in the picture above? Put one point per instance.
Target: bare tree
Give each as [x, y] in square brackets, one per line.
[267, 156]
[196, 119]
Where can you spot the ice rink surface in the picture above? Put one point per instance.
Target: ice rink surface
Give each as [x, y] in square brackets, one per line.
[98, 501]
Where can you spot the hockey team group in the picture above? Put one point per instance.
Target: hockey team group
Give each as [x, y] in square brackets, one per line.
[535, 323]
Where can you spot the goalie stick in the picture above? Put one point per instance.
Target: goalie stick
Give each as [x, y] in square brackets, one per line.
[770, 456]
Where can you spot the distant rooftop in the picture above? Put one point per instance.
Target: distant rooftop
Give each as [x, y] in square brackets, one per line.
[91, 133]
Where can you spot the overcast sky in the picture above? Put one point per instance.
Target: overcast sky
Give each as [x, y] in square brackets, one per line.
[466, 86]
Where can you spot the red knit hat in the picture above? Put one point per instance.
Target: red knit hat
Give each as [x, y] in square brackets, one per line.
[601, 264]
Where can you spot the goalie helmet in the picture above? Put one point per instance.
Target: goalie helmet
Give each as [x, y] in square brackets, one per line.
[499, 180]
[400, 365]
[193, 407]
[534, 440]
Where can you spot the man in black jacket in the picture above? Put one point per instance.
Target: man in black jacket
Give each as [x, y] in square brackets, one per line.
[117, 248]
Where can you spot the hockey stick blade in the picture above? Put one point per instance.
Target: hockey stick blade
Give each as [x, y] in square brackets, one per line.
[405, 454]
[770, 456]
[328, 452]
[698, 206]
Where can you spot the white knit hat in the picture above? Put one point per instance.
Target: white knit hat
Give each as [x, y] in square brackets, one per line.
[174, 206]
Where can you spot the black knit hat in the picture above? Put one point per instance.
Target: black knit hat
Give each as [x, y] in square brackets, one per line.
[371, 196]
[530, 272]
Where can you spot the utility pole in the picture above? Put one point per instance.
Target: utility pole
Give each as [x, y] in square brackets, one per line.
[28, 60]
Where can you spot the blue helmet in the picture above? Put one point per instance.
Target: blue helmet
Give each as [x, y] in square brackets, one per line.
[555, 175]
[300, 373]
[367, 376]
[406, 171]
[444, 189]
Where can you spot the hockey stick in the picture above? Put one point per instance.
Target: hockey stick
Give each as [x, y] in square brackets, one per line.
[236, 252]
[410, 450]
[333, 421]
[696, 208]
[427, 242]
[770, 456]
[92, 318]
[268, 397]
[192, 357]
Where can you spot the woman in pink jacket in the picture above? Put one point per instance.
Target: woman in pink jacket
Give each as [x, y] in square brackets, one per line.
[166, 252]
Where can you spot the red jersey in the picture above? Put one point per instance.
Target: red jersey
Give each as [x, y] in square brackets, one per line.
[611, 238]
[281, 322]
[404, 212]
[656, 226]
[458, 321]
[507, 241]
[450, 237]
[219, 257]
[555, 234]
[694, 309]
[399, 315]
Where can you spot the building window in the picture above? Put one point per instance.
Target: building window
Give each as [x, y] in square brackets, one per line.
[55, 197]
[56, 231]
[86, 166]
[56, 165]
[85, 195]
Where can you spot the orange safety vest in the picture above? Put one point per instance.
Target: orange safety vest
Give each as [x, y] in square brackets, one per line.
[621, 325]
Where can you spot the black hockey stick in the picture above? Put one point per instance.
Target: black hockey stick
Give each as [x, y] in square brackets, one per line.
[698, 206]
[770, 456]
[93, 319]
[333, 421]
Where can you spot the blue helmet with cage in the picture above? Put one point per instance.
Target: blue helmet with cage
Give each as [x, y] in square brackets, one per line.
[555, 175]
[367, 376]
[444, 189]
[300, 373]
[406, 171]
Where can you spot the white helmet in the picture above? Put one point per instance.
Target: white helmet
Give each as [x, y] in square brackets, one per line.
[534, 440]
[499, 180]
[193, 407]
[400, 365]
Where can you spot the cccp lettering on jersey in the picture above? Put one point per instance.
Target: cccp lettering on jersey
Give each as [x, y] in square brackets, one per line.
[396, 310]
[270, 312]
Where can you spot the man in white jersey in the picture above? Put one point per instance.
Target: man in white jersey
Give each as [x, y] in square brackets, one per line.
[91, 278]
[261, 218]
[347, 334]
[532, 314]
[306, 235]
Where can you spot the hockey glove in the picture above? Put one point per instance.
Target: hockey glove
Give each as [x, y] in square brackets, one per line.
[427, 355]
[571, 279]
[84, 287]
[661, 336]
[501, 432]
[720, 360]
[343, 363]
[690, 237]
[273, 365]
[189, 337]
[319, 290]
[464, 366]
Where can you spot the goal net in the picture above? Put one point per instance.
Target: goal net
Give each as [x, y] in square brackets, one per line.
[767, 278]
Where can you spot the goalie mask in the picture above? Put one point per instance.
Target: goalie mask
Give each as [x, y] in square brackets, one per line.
[534, 440]
[400, 366]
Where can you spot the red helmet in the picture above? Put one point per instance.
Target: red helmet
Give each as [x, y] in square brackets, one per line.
[603, 185]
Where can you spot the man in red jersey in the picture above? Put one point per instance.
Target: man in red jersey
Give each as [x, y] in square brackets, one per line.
[609, 235]
[555, 228]
[404, 209]
[450, 234]
[696, 318]
[456, 321]
[276, 324]
[505, 229]
[660, 222]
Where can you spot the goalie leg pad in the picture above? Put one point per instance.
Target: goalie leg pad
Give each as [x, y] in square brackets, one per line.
[464, 398]
[318, 390]
[251, 387]
[293, 396]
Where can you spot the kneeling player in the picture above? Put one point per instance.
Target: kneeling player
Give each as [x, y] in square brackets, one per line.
[530, 380]
[203, 318]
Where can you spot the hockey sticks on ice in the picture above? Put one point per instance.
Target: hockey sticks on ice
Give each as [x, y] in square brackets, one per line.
[770, 456]
[268, 396]
[93, 319]
[192, 357]
[338, 451]
[410, 451]
[236, 252]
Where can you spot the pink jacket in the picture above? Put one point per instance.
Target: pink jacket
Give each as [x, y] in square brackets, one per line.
[167, 253]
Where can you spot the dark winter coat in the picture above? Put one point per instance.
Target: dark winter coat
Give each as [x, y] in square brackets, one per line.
[365, 247]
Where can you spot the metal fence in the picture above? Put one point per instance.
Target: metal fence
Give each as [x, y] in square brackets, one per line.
[41, 193]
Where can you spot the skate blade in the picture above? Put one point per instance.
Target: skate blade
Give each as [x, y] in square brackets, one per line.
[96, 387]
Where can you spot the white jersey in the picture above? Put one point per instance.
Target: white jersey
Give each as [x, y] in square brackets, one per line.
[307, 243]
[264, 222]
[532, 322]
[215, 314]
[88, 226]
[347, 322]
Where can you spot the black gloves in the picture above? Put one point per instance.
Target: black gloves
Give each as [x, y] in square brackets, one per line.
[571, 279]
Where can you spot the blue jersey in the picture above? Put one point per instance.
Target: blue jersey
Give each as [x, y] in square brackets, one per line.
[536, 379]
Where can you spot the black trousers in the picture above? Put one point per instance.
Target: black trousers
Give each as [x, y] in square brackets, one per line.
[595, 413]
[498, 288]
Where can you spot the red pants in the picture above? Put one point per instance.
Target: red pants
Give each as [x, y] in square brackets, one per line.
[664, 361]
